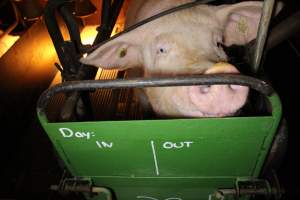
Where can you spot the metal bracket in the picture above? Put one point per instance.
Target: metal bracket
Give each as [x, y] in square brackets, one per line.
[250, 187]
[84, 185]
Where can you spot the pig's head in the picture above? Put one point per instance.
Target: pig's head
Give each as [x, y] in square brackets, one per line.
[183, 43]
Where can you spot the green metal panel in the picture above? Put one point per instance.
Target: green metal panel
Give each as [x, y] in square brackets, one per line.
[179, 159]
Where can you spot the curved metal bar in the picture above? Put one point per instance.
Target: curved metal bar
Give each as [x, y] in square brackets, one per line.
[211, 79]
[167, 12]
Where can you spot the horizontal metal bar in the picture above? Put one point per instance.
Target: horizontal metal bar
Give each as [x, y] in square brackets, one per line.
[210, 79]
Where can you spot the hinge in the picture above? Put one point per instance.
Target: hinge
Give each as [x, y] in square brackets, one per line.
[83, 185]
[251, 188]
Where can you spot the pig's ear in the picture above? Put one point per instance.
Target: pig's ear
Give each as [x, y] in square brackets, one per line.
[240, 21]
[119, 53]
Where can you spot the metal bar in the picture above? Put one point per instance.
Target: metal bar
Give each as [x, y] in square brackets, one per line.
[262, 33]
[83, 188]
[72, 27]
[54, 31]
[285, 29]
[67, 51]
[104, 27]
[17, 19]
[115, 11]
[210, 79]
[110, 13]
[105, 13]
[254, 191]
[167, 12]
[109, 16]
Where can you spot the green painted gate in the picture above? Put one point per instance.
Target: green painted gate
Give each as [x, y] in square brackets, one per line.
[171, 159]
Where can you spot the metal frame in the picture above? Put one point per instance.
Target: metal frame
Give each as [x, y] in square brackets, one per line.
[76, 48]
[69, 52]
[90, 85]
[120, 131]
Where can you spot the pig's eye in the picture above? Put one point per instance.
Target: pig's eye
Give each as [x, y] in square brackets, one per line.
[219, 45]
[161, 50]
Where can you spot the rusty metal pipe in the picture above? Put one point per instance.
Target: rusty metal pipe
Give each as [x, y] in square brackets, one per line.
[264, 23]
[207, 79]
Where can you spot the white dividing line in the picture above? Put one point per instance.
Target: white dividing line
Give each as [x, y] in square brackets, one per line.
[155, 159]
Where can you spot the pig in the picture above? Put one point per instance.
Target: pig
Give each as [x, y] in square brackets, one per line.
[183, 43]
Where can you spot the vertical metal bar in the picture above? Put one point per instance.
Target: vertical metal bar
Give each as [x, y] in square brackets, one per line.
[14, 25]
[54, 31]
[71, 24]
[103, 29]
[110, 13]
[262, 33]
[105, 13]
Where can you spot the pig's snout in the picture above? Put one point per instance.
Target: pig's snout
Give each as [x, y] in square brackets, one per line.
[219, 100]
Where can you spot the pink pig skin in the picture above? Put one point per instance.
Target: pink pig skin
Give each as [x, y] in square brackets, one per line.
[183, 43]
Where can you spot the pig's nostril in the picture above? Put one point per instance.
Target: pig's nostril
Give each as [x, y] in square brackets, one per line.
[204, 89]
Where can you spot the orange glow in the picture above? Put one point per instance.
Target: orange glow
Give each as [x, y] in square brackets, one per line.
[88, 34]
[6, 42]
[118, 28]
[57, 79]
